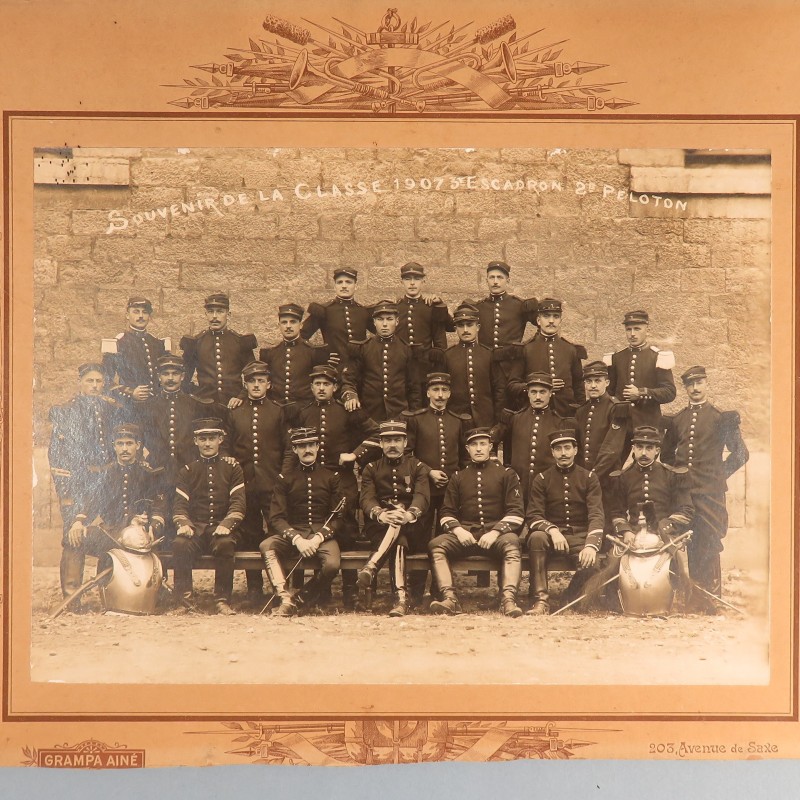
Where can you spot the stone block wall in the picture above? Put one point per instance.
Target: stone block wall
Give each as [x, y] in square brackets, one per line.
[572, 224]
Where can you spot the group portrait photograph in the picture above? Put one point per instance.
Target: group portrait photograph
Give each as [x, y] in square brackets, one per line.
[375, 415]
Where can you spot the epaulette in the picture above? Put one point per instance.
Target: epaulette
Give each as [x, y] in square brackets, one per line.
[462, 417]
[514, 297]
[677, 470]
[119, 335]
[665, 359]
[407, 412]
[607, 358]
[621, 410]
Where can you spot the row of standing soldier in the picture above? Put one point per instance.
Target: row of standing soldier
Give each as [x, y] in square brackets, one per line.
[380, 377]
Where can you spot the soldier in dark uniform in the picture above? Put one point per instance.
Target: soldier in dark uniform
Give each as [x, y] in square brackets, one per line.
[482, 512]
[477, 386]
[422, 324]
[395, 493]
[528, 430]
[258, 442]
[602, 427]
[81, 437]
[133, 355]
[209, 506]
[217, 355]
[166, 418]
[641, 373]
[564, 514]
[696, 439]
[292, 359]
[106, 501]
[341, 320]
[345, 438]
[503, 316]
[436, 436]
[549, 352]
[305, 496]
[379, 376]
[645, 479]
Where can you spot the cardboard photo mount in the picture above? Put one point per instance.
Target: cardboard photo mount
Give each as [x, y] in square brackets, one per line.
[99, 725]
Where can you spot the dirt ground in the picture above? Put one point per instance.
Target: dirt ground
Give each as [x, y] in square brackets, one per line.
[172, 647]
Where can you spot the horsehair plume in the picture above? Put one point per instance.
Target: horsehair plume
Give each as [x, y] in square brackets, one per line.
[488, 33]
[288, 30]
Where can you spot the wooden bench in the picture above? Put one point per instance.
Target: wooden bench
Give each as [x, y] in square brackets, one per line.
[356, 559]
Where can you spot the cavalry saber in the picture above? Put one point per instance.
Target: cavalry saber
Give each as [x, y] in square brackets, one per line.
[81, 590]
[585, 595]
[337, 510]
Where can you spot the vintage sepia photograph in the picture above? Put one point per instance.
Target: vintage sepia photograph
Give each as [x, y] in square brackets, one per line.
[402, 416]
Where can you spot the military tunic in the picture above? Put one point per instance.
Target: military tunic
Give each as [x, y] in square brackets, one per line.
[503, 318]
[528, 431]
[218, 358]
[133, 356]
[647, 368]
[667, 487]
[601, 434]
[210, 492]
[380, 373]
[480, 498]
[258, 442]
[571, 499]
[340, 322]
[81, 438]
[341, 431]
[388, 483]
[110, 493]
[557, 357]
[476, 382]
[290, 363]
[696, 439]
[166, 420]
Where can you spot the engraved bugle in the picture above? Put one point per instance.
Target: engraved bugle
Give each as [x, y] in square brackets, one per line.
[302, 67]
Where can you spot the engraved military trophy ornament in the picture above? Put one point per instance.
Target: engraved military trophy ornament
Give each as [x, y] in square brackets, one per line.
[402, 67]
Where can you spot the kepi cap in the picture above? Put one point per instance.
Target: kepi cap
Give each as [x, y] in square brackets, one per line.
[324, 371]
[539, 379]
[646, 434]
[393, 427]
[565, 435]
[636, 318]
[501, 265]
[466, 312]
[549, 304]
[595, 369]
[217, 300]
[385, 307]
[348, 271]
[303, 435]
[411, 270]
[255, 368]
[693, 373]
[127, 429]
[435, 378]
[207, 425]
[90, 366]
[140, 300]
[170, 361]
[478, 433]
[290, 310]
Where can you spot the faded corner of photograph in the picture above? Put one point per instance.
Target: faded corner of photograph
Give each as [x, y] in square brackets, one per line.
[647, 271]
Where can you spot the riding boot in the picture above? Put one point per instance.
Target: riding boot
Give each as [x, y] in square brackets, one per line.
[538, 584]
[512, 572]
[349, 589]
[273, 566]
[397, 575]
[444, 580]
[72, 563]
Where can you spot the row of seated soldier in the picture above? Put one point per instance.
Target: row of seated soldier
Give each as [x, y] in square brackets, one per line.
[400, 427]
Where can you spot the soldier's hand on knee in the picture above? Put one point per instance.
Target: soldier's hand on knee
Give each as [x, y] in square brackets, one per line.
[235, 402]
[587, 557]
[222, 531]
[488, 539]
[76, 533]
[185, 530]
[559, 542]
[394, 516]
[464, 536]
